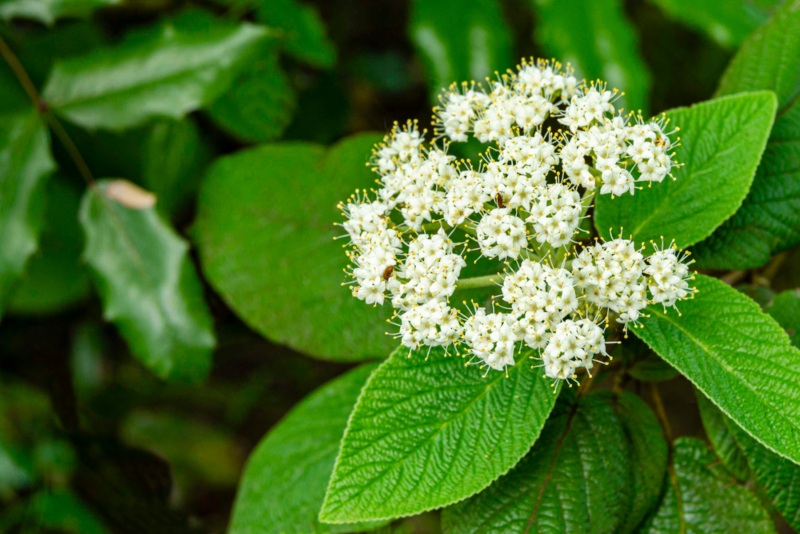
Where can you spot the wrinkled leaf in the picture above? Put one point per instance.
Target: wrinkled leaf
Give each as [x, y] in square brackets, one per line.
[597, 39]
[303, 30]
[56, 278]
[286, 476]
[25, 163]
[165, 71]
[769, 218]
[48, 11]
[785, 309]
[738, 356]
[702, 497]
[575, 479]
[722, 141]
[725, 445]
[460, 41]
[147, 283]
[727, 23]
[260, 104]
[274, 259]
[428, 431]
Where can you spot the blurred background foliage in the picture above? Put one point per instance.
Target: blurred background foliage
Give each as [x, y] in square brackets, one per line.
[90, 439]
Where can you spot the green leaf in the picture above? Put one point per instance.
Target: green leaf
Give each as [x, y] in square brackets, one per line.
[702, 497]
[725, 445]
[721, 142]
[148, 285]
[769, 218]
[428, 431]
[651, 368]
[25, 163]
[738, 356]
[62, 511]
[727, 23]
[274, 259]
[597, 39]
[284, 483]
[48, 11]
[174, 157]
[575, 479]
[166, 71]
[304, 32]
[56, 278]
[785, 309]
[459, 41]
[260, 104]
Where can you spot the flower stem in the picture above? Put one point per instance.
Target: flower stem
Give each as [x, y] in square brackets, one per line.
[480, 281]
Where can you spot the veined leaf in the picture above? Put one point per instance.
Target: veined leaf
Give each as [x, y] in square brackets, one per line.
[460, 41]
[702, 497]
[725, 445]
[303, 30]
[722, 141]
[147, 283]
[428, 431]
[738, 356]
[167, 71]
[25, 163]
[785, 309]
[274, 259]
[598, 41]
[284, 483]
[48, 11]
[575, 479]
[769, 218]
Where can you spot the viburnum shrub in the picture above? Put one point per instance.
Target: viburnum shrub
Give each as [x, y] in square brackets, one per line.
[552, 143]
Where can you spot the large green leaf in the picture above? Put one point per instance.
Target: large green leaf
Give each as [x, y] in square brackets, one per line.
[274, 259]
[702, 497]
[769, 218]
[428, 431]
[147, 283]
[166, 71]
[284, 483]
[722, 141]
[460, 41]
[728, 22]
[577, 478]
[785, 308]
[725, 445]
[25, 162]
[48, 11]
[260, 104]
[56, 278]
[738, 356]
[303, 30]
[598, 41]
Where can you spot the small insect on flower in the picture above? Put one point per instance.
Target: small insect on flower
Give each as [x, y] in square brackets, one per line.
[388, 272]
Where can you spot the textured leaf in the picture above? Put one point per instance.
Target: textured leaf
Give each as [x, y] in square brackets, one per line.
[174, 158]
[48, 11]
[274, 259]
[779, 478]
[25, 163]
[702, 497]
[725, 445]
[304, 32]
[286, 476]
[769, 218]
[428, 431]
[785, 309]
[722, 141]
[459, 41]
[260, 104]
[739, 357]
[598, 41]
[727, 23]
[147, 283]
[167, 71]
[56, 278]
[575, 479]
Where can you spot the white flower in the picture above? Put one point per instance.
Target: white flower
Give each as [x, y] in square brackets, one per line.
[556, 214]
[433, 323]
[573, 344]
[669, 276]
[501, 235]
[491, 337]
[547, 293]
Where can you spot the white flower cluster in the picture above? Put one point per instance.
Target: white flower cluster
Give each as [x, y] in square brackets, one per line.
[554, 142]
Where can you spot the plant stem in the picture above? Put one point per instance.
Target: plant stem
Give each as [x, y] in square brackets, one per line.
[44, 110]
[480, 281]
[660, 412]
